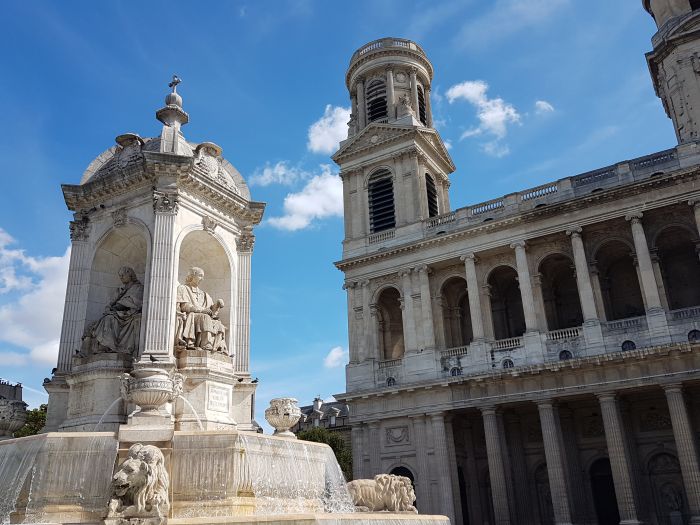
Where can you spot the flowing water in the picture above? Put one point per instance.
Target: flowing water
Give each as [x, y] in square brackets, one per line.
[105, 413]
[199, 421]
[16, 461]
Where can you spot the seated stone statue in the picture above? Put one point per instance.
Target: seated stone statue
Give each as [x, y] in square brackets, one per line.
[119, 328]
[198, 324]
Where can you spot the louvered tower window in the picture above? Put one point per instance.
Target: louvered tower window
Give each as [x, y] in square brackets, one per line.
[381, 202]
[376, 101]
[421, 106]
[431, 191]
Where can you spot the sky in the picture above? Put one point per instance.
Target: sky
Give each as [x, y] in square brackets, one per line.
[525, 92]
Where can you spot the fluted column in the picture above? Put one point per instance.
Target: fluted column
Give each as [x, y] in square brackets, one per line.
[497, 473]
[583, 278]
[687, 448]
[375, 458]
[76, 293]
[160, 323]
[390, 97]
[244, 245]
[646, 269]
[473, 296]
[525, 285]
[356, 435]
[554, 453]
[514, 439]
[366, 464]
[423, 482]
[454, 476]
[409, 320]
[414, 90]
[426, 307]
[353, 347]
[367, 339]
[361, 106]
[581, 511]
[620, 463]
[442, 465]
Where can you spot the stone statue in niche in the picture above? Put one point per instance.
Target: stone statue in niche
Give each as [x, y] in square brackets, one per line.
[119, 328]
[140, 488]
[198, 324]
[405, 106]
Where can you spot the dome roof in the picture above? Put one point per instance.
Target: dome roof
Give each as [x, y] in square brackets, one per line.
[127, 156]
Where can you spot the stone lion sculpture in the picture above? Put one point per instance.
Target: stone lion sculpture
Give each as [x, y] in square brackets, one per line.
[385, 492]
[140, 486]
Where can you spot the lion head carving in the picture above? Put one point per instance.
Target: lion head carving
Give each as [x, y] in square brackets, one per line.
[385, 492]
[140, 486]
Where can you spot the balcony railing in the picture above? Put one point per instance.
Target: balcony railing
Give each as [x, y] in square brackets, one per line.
[381, 236]
[631, 323]
[507, 344]
[440, 220]
[685, 313]
[564, 333]
[384, 43]
[456, 351]
[389, 363]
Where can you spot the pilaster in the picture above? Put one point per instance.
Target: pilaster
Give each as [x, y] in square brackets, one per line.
[375, 445]
[423, 479]
[244, 246]
[442, 465]
[356, 436]
[409, 319]
[497, 473]
[426, 307]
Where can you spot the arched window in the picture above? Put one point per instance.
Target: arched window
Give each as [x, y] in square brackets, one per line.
[628, 345]
[507, 363]
[565, 355]
[618, 281]
[680, 267]
[376, 101]
[456, 371]
[422, 116]
[390, 381]
[694, 336]
[455, 312]
[560, 292]
[431, 192]
[390, 325]
[380, 191]
[506, 303]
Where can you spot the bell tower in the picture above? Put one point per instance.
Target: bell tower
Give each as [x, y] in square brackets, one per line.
[674, 63]
[394, 165]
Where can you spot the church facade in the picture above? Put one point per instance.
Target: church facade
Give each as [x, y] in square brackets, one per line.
[534, 358]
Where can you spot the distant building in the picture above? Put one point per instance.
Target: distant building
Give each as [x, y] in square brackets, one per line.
[13, 411]
[332, 416]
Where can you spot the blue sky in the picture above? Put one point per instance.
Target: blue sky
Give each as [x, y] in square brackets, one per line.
[525, 91]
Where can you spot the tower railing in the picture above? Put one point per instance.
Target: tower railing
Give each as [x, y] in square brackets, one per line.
[386, 43]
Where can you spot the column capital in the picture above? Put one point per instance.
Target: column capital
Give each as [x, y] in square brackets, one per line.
[522, 244]
[574, 231]
[365, 283]
[634, 217]
[437, 416]
[546, 404]
[359, 79]
[245, 242]
[490, 410]
[349, 285]
[423, 268]
[79, 229]
[389, 69]
[469, 256]
[414, 70]
[405, 272]
[417, 417]
[373, 425]
[607, 397]
[695, 203]
[673, 387]
[165, 202]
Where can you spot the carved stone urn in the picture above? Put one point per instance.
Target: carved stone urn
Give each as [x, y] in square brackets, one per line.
[283, 413]
[13, 415]
[150, 389]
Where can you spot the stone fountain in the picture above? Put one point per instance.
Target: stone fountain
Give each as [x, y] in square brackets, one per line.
[151, 403]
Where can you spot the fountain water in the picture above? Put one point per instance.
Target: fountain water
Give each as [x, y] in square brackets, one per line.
[110, 407]
[199, 421]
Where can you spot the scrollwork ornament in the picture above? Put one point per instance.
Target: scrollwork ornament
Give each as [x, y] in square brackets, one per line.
[209, 224]
[119, 217]
[79, 229]
[245, 242]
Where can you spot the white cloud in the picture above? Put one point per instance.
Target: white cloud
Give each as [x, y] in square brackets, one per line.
[279, 173]
[494, 114]
[336, 357]
[504, 19]
[326, 133]
[322, 197]
[32, 319]
[542, 106]
[448, 144]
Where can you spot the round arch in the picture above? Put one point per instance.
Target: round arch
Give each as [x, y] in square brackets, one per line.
[507, 312]
[456, 312]
[675, 247]
[562, 304]
[389, 316]
[376, 170]
[619, 282]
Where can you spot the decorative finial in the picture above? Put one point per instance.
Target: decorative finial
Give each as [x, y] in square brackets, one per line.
[174, 83]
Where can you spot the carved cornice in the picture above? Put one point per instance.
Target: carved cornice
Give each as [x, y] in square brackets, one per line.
[559, 208]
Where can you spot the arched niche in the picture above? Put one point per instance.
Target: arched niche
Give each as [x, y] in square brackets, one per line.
[125, 246]
[203, 250]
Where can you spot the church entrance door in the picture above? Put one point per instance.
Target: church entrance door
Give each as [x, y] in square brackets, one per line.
[603, 490]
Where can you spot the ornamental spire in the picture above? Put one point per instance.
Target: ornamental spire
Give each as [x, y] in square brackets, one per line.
[173, 117]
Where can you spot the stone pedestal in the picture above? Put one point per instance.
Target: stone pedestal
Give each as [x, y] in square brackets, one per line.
[94, 392]
[213, 392]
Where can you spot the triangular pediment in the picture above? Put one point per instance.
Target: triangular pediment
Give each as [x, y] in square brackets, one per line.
[374, 136]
